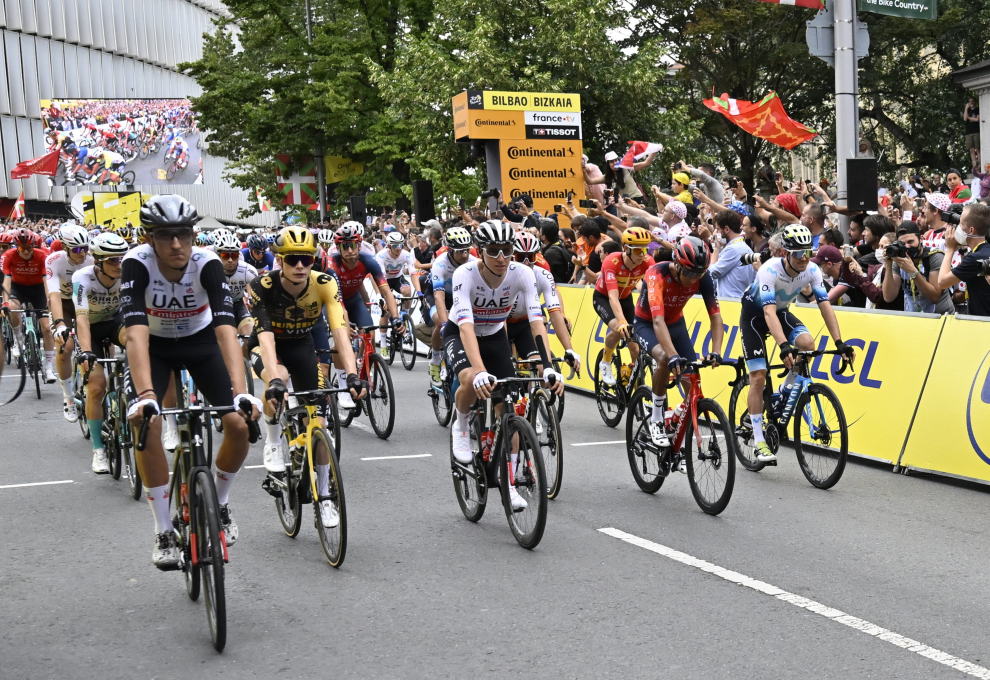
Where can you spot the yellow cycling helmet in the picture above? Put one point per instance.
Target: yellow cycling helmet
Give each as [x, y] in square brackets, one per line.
[295, 240]
[636, 237]
[124, 233]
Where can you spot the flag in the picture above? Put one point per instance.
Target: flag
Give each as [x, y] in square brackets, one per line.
[18, 212]
[636, 151]
[42, 165]
[263, 203]
[300, 187]
[765, 119]
[810, 4]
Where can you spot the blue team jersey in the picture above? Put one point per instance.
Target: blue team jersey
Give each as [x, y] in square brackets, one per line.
[774, 286]
[267, 260]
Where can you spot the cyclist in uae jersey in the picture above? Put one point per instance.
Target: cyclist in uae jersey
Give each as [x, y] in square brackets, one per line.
[458, 242]
[765, 312]
[96, 294]
[177, 308]
[396, 262]
[620, 274]
[660, 326]
[59, 268]
[24, 282]
[239, 275]
[477, 348]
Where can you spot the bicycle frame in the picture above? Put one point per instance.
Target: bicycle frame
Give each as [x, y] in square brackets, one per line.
[304, 439]
[802, 381]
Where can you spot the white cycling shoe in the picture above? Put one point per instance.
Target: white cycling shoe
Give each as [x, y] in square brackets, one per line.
[345, 400]
[167, 555]
[273, 458]
[69, 410]
[605, 373]
[101, 465]
[50, 376]
[658, 435]
[15, 350]
[170, 439]
[461, 444]
[515, 500]
[328, 514]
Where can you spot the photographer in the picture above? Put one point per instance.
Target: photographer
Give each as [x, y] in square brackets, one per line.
[974, 227]
[554, 252]
[914, 269]
[521, 210]
[731, 276]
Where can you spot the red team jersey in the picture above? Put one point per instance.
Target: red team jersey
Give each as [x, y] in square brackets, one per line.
[25, 272]
[615, 275]
[351, 279]
[666, 297]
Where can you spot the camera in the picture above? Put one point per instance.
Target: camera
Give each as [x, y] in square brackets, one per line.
[753, 258]
[895, 249]
[585, 203]
[984, 267]
[491, 193]
[953, 214]
[607, 193]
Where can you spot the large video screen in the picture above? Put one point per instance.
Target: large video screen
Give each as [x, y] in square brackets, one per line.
[124, 142]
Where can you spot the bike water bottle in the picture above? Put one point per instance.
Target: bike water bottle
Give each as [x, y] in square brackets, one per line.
[624, 372]
[521, 407]
[487, 439]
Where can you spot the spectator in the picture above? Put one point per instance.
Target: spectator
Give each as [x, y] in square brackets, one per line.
[874, 227]
[813, 217]
[984, 178]
[521, 211]
[974, 225]
[971, 116]
[832, 237]
[916, 274]
[756, 233]
[766, 178]
[705, 174]
[869, 282]
[731, 276]
[594, 172]
[935, 207]
[591, 262]
[621, 181]
[553, 252]
[959, 192]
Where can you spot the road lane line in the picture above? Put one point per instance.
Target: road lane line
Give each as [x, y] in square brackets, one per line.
[617, 441]
[20, 486]
[416, 455]
[803, 602]
[253, 467]
[362, 426]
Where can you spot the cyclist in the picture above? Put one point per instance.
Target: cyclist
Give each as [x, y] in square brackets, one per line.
[458, 242]
[484, 292]
[396, 262]
[177, 309]
[620, 274]
[287, 304]
[24, 281]
[352, 266]
[86, 160]
[96, 292]
[525, 251]
[180, 151]
[660, 328]
[325, 241]
[59, 268]
[765, 312]
[256, 253]
[239, 275]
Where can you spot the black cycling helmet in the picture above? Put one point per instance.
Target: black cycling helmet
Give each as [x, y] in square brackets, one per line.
[257, 242]
[168, 210]
[692, 254]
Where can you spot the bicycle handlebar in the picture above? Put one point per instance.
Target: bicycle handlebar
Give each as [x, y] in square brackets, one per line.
[254, 430]
[696, 364]
[806, 354]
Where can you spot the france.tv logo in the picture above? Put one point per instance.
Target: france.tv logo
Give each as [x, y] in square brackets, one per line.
[978, 410]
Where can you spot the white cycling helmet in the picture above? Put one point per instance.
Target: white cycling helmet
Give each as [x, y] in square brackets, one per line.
[325, 237]
[526, 243]
[395, 239]
[494, 232]
[73, 236]
[226, 243]
[108, 244]
[220, 233]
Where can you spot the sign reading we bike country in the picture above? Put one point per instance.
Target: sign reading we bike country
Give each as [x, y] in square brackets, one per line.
[908, 9]
[546, 170]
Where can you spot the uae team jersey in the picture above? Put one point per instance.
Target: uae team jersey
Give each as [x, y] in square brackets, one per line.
[442, 272]
[615, 275]
[487, 308]
[665, 297]
[59, 271]
[239, 280]
[545, 287]
[25, 272]
[93, 299]
[351, 279]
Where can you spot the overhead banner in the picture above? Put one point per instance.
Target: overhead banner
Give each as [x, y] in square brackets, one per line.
[906, 9]
[339, 168]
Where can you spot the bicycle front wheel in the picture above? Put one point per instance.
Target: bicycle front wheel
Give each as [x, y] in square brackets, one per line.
[170, 172]
[34, 360]
[471, 488]
[610, 398]
[287, 503]
[529, 479]
[646, 459]
[381, 397]
[821, 437]
[111, 446]
[332, 538]
[79, 396]
[210, 553]
[543, 418]
[711, 463]
[742, 427]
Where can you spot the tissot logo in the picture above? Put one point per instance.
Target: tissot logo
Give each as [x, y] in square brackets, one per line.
[530, 152]
[556, 132]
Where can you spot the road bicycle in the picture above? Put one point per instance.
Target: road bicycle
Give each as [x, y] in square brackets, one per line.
[304, 441]
[248, 379]
[442, 395]
[174, 167]
[379, 403]
[702, 439]
[492, 440]
[191, 395]
[538, 408]
[402, 339]
[196, 512]
[30, 344]
[13, 379]
[80, 388]
[612, 400]
[821, 435]
[116, 431]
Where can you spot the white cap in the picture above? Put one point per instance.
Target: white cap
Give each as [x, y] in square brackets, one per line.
[611, 156]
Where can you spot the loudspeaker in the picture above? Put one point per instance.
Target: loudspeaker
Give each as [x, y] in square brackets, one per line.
[861, 183]
[358, 209]
[422, 190]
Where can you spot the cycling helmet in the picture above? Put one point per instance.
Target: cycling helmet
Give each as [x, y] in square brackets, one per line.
[270, 239]
[349, 231]
[494, 232]
[202, 241]
[108, 245]
[6, 238]
[49, 241]
[257, 242]
[125, 233]
[24, 237]
[526, 243]
[636, 237]
[395, 240]
[457, 238]
[796, 237]
[324, 237]
[226, 243]
[168, 210]
[139, 233]
[295, 240]
[220, 233]
[73, 236]
[692, 254]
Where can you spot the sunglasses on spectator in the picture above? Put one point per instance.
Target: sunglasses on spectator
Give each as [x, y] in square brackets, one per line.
[168, 234]
[349, 245]
[80, 250]
[496, 250]
[801, 254]
[236, 255]
[296, 260]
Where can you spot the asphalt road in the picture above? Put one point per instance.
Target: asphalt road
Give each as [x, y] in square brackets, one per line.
[424, 593]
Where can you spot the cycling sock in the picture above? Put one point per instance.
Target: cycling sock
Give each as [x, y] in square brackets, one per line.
[172, 423]
[462, 420]
[659, 408]
[66, 388]
[341, 377]
[158, 500]
[49, 358]
[322, 479]
[607, 354]
[513, 459]
[274, 432]
[96, 432]
[224, 480]
[436, 358]
[757, 428]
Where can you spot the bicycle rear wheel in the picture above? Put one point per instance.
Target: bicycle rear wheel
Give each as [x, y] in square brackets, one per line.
[408, 345]
[821, 437]
[34, 359]
[79, 396]
[711, 465]
[381, 397]
[170, 171]
[209, 554]
[543, 418]
[333, 539]
[111, 446]
[471, 489]
[646, 460]
[530, 480]
[610, 398]
[742, 427]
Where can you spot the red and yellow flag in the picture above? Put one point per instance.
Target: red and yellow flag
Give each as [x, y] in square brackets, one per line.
[765, 119]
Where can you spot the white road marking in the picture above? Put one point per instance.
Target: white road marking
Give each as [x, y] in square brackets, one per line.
[617, 441]
[253, 467]
[362, 426]
[19, 486]
[415, 455]
[803, 602]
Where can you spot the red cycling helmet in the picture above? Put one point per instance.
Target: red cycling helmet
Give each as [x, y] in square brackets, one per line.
[6, 238]
[24, 237]
[692, 254]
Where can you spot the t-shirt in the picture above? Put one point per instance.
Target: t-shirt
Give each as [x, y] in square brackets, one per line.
[914, 299]
[973, 127]
[978, 290]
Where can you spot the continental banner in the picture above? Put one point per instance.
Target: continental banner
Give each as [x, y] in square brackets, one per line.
[546, 170]
[951, 432]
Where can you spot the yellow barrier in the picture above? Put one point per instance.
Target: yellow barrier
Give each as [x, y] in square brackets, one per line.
[951, 431]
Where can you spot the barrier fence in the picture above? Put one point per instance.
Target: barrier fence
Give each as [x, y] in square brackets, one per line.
[919, 396]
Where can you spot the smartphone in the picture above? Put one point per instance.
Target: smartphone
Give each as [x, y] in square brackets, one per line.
[847, 251]
[570, 194]
[733, 182]
[461, 204]
[558, 208]
[585, 203]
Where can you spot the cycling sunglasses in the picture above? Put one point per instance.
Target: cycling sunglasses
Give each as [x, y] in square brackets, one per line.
[349, 245]
[25, 249]
[524, 257]
[236, 255]
[80, 250]
[496, 250]
[460, 251]
[296, 260]
[638, 251]
[113, 261]
[167, 234]
[801, 254]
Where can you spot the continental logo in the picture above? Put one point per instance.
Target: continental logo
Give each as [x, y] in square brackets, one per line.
[529, 152]
[496, 123]
[537, 194]
[529, 173]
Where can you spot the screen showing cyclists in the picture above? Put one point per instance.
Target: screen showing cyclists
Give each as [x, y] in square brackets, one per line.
[127, 142]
